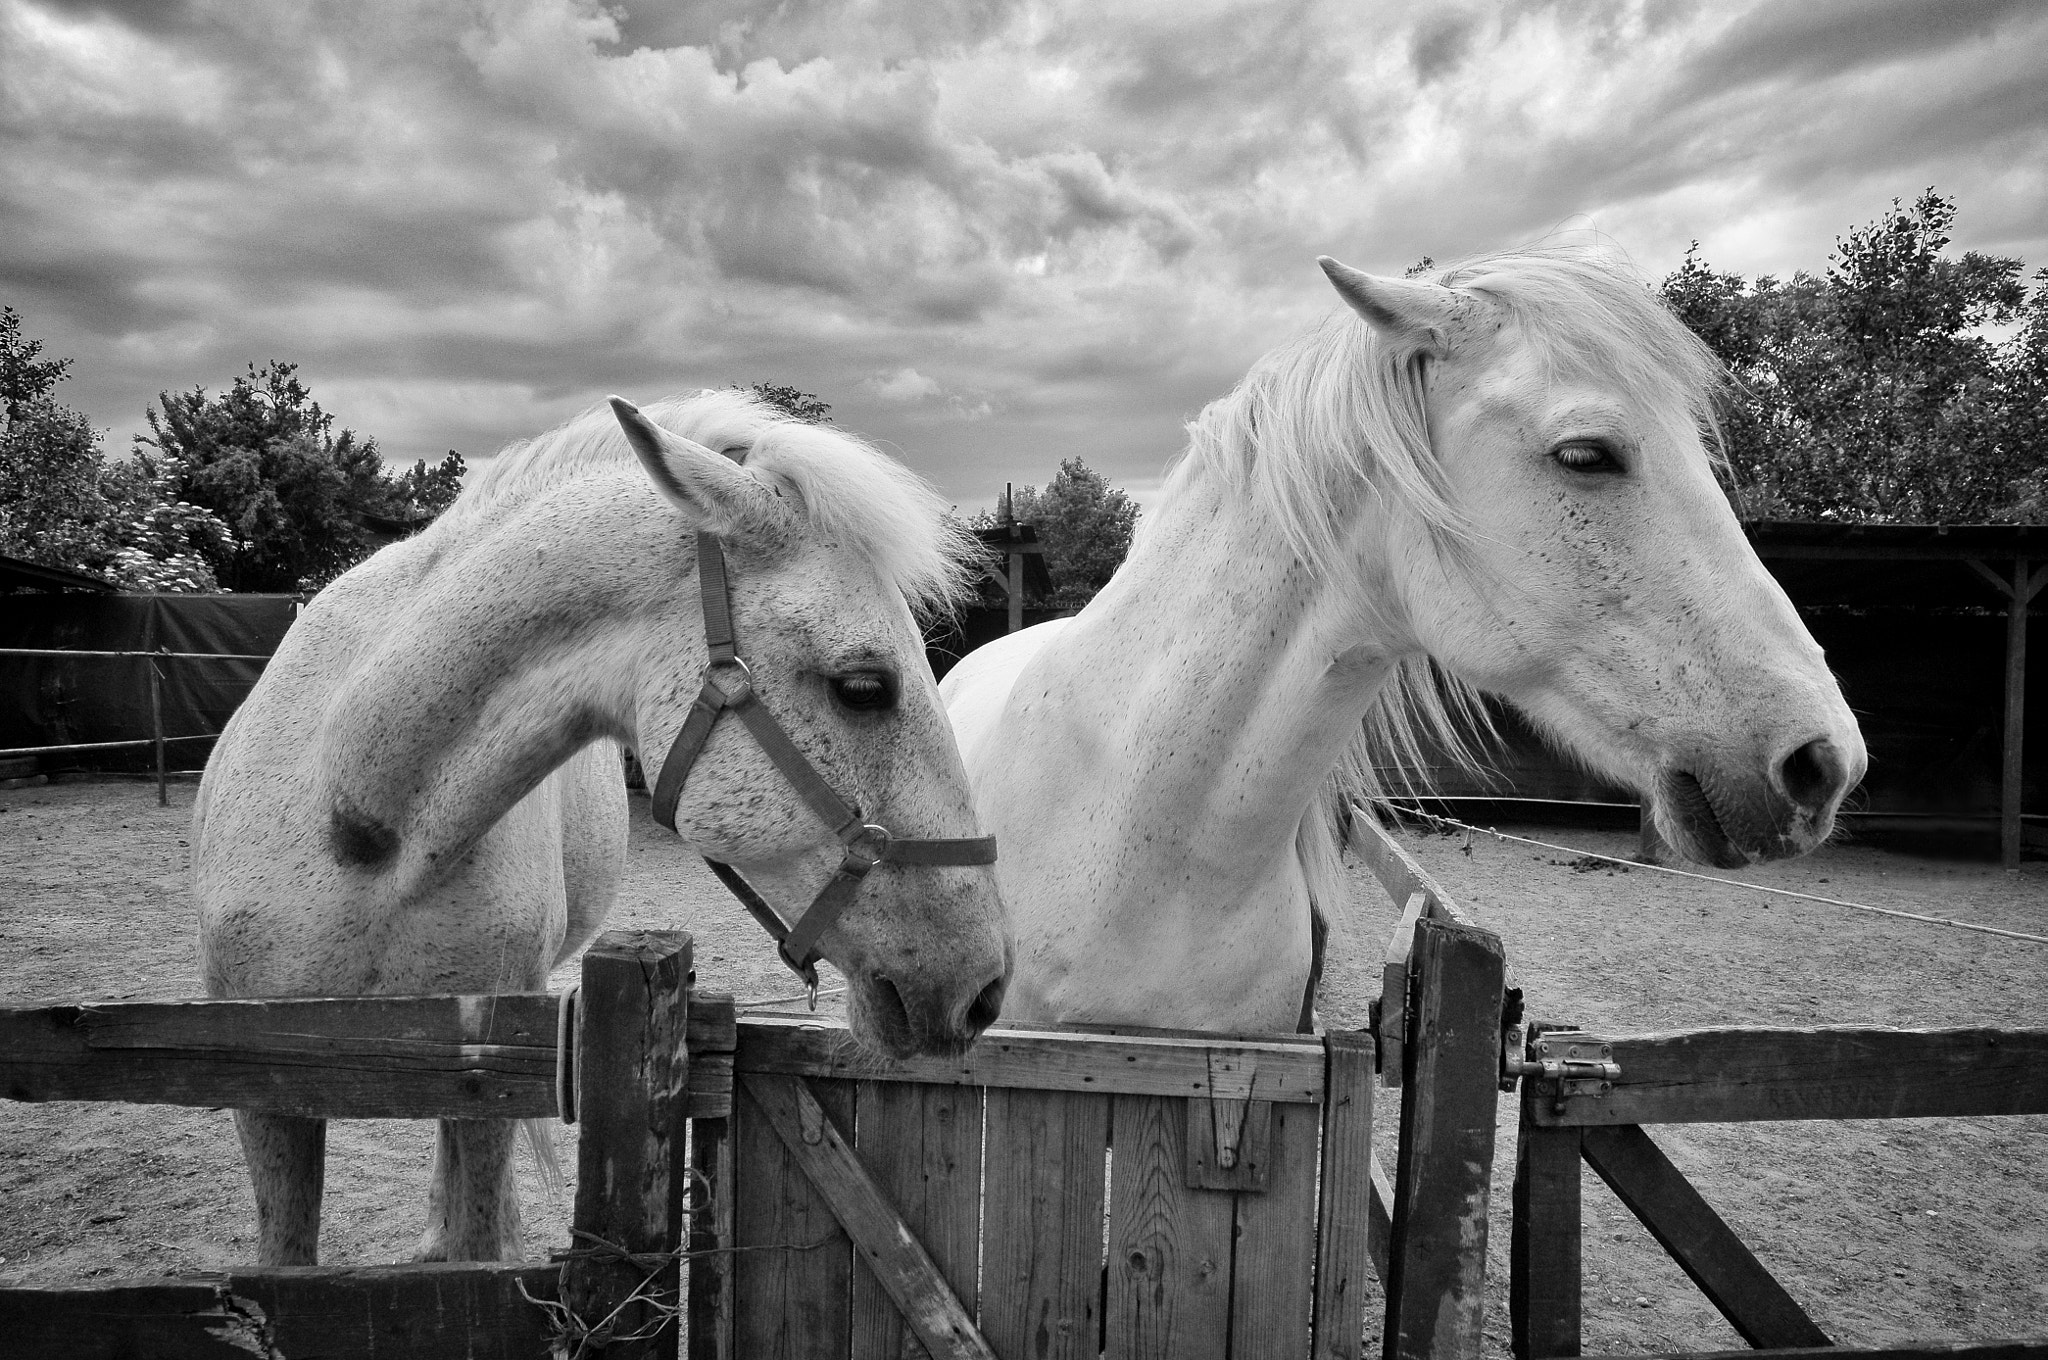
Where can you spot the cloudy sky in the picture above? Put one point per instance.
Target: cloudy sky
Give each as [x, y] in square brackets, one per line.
[991, 234]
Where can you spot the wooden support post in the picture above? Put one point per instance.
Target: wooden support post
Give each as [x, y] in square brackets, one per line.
[156, 727]
[2013, 775]
[1544, 1282]
[632, 1069]
[1436, 1280]
[1344, 1234]
[2019, 593]
[1016, 589]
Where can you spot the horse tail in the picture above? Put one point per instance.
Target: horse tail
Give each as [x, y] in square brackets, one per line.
[540, 1141]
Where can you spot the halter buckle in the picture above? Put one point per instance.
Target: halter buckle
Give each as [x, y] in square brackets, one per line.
[865, 848]
[746, 682]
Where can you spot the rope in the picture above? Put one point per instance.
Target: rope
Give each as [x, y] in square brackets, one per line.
[1710, 878]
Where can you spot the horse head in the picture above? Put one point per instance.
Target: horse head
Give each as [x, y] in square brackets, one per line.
[1567, 547]
[825, 650]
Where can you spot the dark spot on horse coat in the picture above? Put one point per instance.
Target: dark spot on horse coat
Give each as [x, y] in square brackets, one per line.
[359, 839]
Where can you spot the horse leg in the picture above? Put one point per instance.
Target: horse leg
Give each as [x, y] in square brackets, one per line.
[473, 1203]
[287, 1158]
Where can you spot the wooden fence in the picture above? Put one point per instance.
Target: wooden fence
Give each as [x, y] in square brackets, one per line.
[401, 1057]
[1724, 1076]
[1050, 1193]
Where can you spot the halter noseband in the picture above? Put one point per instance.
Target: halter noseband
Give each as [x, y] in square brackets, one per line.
[867, 844]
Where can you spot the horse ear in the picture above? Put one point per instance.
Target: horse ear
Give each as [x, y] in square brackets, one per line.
[1403, 309]
[708, 487]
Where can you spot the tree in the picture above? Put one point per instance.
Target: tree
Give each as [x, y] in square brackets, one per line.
[24, 379]
[1084, 523]
[1876, 391]
[294, 494]
[51, 509]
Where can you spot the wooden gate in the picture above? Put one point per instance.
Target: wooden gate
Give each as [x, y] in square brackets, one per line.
[1051, 1193]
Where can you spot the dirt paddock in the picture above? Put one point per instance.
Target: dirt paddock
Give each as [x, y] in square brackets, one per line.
[1884, 1231]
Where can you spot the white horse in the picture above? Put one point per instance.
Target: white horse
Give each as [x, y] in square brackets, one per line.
[424, 792]
[1500, 475]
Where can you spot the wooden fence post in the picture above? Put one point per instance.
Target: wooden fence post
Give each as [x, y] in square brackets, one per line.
[1544, 1282]
[156, 727]
[632, 1069]
[1436, 1276]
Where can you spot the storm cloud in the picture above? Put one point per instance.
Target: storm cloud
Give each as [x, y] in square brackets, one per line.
[992, 234]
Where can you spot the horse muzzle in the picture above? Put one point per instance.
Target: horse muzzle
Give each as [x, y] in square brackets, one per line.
[1714, 813]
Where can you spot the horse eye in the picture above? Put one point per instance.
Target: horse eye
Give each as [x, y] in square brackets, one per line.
[865, 691]
[1586, 457]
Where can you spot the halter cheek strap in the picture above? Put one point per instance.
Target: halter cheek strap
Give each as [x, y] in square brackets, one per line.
[729, 686]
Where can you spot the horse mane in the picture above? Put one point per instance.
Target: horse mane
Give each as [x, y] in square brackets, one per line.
[850, 491]
[1339, 414]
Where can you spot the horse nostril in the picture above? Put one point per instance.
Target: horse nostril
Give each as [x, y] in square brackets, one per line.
[983, 1010]
[1813, 774]
[891, 1014]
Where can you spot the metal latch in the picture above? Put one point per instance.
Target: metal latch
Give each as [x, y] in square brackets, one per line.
[1574, 1062]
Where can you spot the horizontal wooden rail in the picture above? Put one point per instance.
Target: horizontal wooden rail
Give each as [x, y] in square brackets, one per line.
[361, 1313]
[1743, 1074]
[1126, 1064]
[362, 1057]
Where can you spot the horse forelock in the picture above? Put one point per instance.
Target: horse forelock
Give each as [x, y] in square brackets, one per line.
[848, 491]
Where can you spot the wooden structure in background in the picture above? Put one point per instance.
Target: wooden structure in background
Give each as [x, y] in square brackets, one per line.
[1874, 566]
[1022, 570]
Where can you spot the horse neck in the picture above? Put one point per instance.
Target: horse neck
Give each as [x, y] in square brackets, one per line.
[516, 651]
[1240, 677]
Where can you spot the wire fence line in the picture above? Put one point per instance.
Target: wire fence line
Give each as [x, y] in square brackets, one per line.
[1469, 829]
[157, 737]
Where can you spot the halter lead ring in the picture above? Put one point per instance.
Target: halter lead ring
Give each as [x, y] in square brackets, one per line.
[866, 843]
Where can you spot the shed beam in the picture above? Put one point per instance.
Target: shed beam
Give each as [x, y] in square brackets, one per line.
[2019, 593]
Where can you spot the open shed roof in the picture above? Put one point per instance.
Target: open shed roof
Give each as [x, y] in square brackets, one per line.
[1895, 566]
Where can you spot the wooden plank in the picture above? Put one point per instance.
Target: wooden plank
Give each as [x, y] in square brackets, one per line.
[1728, 1075]
[710, 1093]
[361, 1313]
[2031, 1348]
[1709, 1252]
[1169, 1245]
[1442, 1177]
[1272, 1301]
[1047, 1061]
[1042, 1224]
[881, 1240]
[1399, 872]
[631, 1075]
[1379, 1236]
[1344, 1219]
[922, 1147]
[1544, 1271]
[370, 1057]
[793, 1268]
[710, 1268]
[1394, 991]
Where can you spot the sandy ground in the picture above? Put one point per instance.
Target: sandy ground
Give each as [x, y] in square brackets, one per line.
[1884, 1231]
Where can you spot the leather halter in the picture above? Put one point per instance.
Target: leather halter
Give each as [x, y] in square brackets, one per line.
[867, 843]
